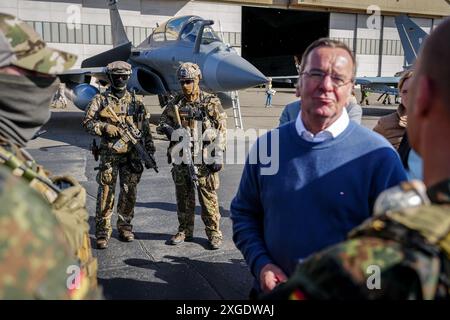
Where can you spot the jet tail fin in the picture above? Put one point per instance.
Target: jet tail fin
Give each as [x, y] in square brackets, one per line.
[411, 36]
[119, 36]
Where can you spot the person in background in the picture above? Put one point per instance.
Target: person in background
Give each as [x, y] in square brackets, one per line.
[269, 93]
[393, 126]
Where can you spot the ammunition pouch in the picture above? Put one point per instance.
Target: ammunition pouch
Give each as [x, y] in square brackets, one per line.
[70, 210]
[120, 146]
[105, 175]
[212, 181]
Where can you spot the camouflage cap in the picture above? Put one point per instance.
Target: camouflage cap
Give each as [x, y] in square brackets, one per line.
[118, 67]
[188, 70]
[23, 47]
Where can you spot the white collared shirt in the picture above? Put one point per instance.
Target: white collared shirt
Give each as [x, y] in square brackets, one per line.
[329, 133]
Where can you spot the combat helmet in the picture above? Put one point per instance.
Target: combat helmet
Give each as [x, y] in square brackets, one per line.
[189, 71]
[116, 71]
[118, 67]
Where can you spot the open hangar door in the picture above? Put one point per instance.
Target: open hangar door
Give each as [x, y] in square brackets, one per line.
[271, 37]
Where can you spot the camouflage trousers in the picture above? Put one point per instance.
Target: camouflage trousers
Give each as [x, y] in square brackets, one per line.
[207, 195]
[129, 169]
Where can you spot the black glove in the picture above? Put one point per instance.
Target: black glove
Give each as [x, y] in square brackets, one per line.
[64, 182]
[167, 130]
[215, 167]
[198, 115]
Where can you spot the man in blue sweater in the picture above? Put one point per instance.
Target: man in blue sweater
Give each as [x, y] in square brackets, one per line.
[330, 171]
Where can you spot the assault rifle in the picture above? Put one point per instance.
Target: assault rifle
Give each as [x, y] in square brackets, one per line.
[129, 133]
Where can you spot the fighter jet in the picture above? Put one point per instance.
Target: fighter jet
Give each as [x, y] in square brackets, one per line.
[411, 37]
[156, 59]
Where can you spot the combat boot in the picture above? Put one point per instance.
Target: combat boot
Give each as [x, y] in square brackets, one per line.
[126, 235]
[102, 243]
[215, 242]
[179, 238]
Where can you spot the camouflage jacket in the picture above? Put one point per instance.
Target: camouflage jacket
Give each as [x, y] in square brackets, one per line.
[397, 254]
[213, 129]
[33, 250]
[73, 223]
[128, 108]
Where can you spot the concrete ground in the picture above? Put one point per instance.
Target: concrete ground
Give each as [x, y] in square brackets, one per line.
[149, 268]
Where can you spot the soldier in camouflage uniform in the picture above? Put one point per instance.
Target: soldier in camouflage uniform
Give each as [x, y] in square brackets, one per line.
[403, 252]
[59, 100]
[191, 111]
[117, 156]
[35, 254]
[44, 229]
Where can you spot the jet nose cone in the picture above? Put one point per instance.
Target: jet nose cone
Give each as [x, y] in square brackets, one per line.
[231, 72]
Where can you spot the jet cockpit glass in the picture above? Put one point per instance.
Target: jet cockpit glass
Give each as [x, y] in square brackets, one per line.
[190, 33]
[173, 28]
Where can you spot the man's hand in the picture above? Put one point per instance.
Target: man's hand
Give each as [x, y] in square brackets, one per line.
[198, 115]
[270, 277]
[112, 130]
[215, 167]
[64, 182]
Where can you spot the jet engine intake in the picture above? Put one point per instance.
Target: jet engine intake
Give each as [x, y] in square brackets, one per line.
[145, 82]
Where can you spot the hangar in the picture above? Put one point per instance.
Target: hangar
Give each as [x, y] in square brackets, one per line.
[266, 32]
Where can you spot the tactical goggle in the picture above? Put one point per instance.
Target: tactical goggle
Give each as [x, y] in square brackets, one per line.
[187, 81]
[121, 76]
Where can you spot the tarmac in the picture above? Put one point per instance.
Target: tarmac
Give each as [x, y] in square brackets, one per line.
[150, 268]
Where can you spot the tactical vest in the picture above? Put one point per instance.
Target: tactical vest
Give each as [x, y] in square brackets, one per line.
[75, 228]
[128, 110]
[405, 215]
[197, 118]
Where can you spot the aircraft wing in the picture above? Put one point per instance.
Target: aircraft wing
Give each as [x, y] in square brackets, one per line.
[379, 84]
[285, 79]
[80, 75]
[390, 81]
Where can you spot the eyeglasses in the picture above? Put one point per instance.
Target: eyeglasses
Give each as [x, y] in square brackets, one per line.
[318, 76]
[183, 82]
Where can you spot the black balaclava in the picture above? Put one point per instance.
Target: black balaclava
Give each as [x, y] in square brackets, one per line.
[118, 84]
[24, 105]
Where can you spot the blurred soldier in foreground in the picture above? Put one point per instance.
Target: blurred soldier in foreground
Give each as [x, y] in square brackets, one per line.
[45, 251]
[403, 252]
[196, 116]
[124, 125]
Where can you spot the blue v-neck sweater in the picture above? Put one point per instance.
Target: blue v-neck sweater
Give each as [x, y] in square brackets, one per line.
[319, 193]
